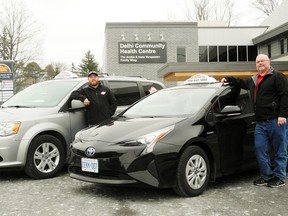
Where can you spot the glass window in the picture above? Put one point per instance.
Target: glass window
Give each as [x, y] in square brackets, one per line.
[150, 87]
[282, 46]
[269, 50]
[252, 53]
[242, 53]
[126, 93]
[226, 98]
[223, 54]
[181, 54]
[244, 101]
[212, 53]
[232, 53]
[203, 54]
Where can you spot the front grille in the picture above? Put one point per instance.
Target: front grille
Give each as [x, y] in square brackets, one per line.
[103, 174]
[98, 155]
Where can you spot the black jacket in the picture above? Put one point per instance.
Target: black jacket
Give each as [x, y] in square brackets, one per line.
[271, 99]
[103, 103]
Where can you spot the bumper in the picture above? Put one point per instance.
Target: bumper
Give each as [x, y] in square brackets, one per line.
[9, 148]
[101, 181]
[125, 167]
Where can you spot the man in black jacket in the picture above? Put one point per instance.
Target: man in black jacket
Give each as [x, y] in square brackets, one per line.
[269, 90]
[99, 100]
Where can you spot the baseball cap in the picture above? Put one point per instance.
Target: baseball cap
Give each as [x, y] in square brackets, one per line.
[92, 72]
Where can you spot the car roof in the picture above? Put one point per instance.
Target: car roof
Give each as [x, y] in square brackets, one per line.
[114, 78]
[128, 78]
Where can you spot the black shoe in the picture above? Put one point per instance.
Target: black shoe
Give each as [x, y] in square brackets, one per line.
[275, 182]
[260, 182]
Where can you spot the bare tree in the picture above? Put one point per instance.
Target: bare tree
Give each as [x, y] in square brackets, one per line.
[224, 11]
[54, 68]
[197, 9]
[18, 31]
[266, 6]
[18, 38]
[212, 10]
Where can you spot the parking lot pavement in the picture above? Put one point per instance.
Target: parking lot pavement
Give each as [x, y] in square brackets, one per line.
[233, 195]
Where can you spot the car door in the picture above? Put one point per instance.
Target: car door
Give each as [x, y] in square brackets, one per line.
[235, 131]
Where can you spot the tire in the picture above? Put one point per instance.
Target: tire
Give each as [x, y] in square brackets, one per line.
[193, 172]
[45, 157]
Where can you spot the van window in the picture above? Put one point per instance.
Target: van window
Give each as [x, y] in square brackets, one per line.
[125, 92]
[150, 87]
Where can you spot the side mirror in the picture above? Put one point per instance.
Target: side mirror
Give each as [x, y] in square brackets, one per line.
[229, 111]
[76, 105]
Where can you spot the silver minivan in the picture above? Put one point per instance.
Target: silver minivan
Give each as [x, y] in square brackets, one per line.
[38, 124]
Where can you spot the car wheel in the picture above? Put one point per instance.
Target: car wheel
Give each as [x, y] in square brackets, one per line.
[193, 172]
[45, 157]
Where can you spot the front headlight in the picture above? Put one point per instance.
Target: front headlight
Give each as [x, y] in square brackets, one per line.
[9, 128]
[77, 137]
[150, 139]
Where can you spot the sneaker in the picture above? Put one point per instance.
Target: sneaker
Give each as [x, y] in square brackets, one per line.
[260, 182]
[275, 182]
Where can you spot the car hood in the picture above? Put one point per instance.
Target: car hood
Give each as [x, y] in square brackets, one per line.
[125, 128]
[20, 114]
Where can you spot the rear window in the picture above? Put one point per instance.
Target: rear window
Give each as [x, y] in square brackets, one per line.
[150, 87]
[125, 92]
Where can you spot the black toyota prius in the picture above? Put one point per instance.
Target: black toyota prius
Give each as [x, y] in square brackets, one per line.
[180, 137]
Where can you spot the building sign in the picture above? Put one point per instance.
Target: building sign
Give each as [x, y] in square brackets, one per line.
[6, 80]
[142, 52]
[6, 76]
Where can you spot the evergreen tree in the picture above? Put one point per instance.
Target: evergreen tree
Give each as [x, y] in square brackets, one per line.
[51, 71]
[32, 73]
[88, 64]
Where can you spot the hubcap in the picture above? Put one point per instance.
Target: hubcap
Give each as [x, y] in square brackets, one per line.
[196, 171]
[46, 157]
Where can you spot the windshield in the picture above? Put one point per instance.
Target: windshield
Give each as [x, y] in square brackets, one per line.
[171, 102]
[44, 94]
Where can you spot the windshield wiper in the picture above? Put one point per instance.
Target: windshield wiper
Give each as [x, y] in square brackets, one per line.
[20, 106]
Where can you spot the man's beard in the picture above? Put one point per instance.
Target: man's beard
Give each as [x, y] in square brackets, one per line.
[94, 84]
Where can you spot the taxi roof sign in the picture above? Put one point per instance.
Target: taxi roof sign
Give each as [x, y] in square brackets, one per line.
[65, 75]
[200, 79]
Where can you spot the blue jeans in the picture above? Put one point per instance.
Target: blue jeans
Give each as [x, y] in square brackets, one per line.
[287, 139]
[269, 135]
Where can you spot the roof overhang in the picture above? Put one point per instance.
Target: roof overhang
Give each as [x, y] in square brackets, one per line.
[279, 32]
[182, 71]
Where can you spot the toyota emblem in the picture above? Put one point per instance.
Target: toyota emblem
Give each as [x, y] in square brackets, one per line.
[90, 152]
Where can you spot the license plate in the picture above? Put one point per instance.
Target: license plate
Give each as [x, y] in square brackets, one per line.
[89, 165]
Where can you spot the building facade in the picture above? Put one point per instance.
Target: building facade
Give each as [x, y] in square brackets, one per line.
[173, 51]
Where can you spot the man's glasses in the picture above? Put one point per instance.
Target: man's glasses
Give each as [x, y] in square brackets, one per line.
[261, 61]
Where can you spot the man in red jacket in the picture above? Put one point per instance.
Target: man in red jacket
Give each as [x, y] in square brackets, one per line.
[269, 91]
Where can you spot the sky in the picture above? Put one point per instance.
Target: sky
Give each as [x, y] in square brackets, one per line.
[69, 28]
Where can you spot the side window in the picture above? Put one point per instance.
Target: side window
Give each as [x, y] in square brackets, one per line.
[245, 102]
[126, 93]
[228, 97]
[150, 87]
